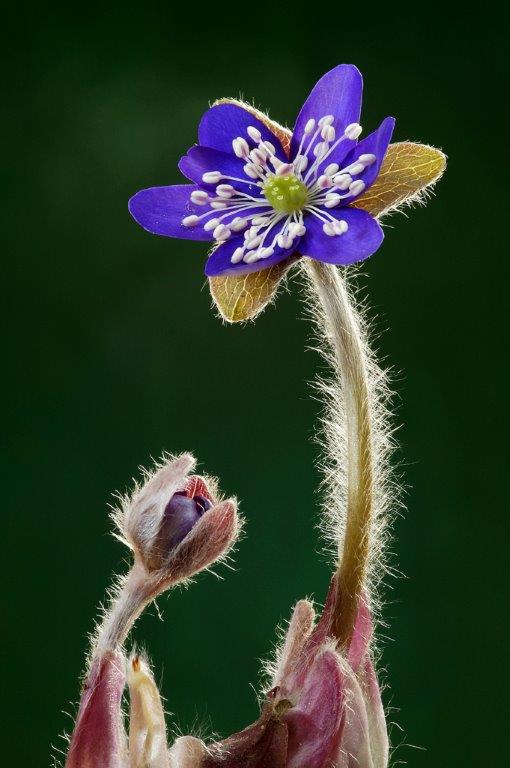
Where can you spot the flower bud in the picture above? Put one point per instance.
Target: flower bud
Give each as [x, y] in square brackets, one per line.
[175, 523]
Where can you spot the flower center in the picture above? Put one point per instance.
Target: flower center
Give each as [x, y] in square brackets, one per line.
[286, 193]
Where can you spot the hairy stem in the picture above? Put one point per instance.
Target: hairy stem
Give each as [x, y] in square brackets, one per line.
[342, 329]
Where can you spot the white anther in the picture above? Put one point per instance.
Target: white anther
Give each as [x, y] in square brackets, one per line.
[341, 227]
[352, 131]
[251, 233]
[275, 162]
[238, 224]
[326, 120]
[342, 181]
[329, 229]
[218, 205]
[254, 242]
[211, 224]
[254, 133]
[357, 187]
[221, 232]
[356, 168]
[328, 133]
[237, 256]
[320, 149]
[190, 221]
[297, 230]
[251, 256]
[225, 190]
[300, 163]
[324, 182]
[284, 169]
[212, 177]
[367, 160]
[331, 169]
[265, 253]
[240, 147]
[199, 197]
[260, 221]
[332, 199]
[284, 241]
[268, 147]
[310, 125]
[251, 170]
[259, 156]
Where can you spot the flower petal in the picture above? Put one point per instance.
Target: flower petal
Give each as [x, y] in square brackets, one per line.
[147, 730]
[362, 239]
[224, 122]
[160, 210]
[316, 723]
[98, 740]
[337, 93]
[407, 172]
[374, 144]
[299, 629]
[379, 743]
[219, 262]
[200, 160]
[243, 297]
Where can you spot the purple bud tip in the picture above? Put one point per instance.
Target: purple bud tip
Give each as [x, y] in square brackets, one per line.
[181, 514]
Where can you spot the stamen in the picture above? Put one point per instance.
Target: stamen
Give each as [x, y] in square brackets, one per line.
[190, 221]
[252, 171]
[357, 187]
[240, 147]
[326, 120]
[310, 125]
[328, 133]
[284, 169]
[237, 256]
[225, 190]
[211, 177]
[254, 133]
[331, 169]
[342, 181]
[352, 131]
[211, 224]
[332, 200]
[221, 232]
[218, 204]
[199, 197]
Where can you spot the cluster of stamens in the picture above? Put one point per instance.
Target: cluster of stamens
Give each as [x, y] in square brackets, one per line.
[287, 190]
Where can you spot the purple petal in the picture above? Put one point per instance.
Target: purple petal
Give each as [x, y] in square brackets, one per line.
[374, 144]
[337, 93]
[362, 239]
[223, 123]
[160, 210]
[316, 723]
[219, 262]
[200, 160]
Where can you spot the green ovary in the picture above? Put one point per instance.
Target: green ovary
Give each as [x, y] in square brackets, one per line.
[286, 193]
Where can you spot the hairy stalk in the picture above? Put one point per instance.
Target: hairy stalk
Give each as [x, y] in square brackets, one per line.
[356, 419]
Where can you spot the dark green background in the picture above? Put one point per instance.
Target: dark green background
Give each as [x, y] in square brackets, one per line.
[112, 354]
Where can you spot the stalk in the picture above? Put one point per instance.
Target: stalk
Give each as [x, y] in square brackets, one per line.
[357, 444]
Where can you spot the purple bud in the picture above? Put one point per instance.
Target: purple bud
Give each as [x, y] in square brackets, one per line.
[180, 515]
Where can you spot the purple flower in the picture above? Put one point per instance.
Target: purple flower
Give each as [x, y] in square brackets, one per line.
[260, 200]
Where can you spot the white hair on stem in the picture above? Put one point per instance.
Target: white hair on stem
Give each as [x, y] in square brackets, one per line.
[360, 492]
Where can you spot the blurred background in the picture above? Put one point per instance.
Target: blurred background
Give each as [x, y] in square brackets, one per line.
[112, 354]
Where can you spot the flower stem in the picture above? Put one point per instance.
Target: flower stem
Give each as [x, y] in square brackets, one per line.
[351, 361]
